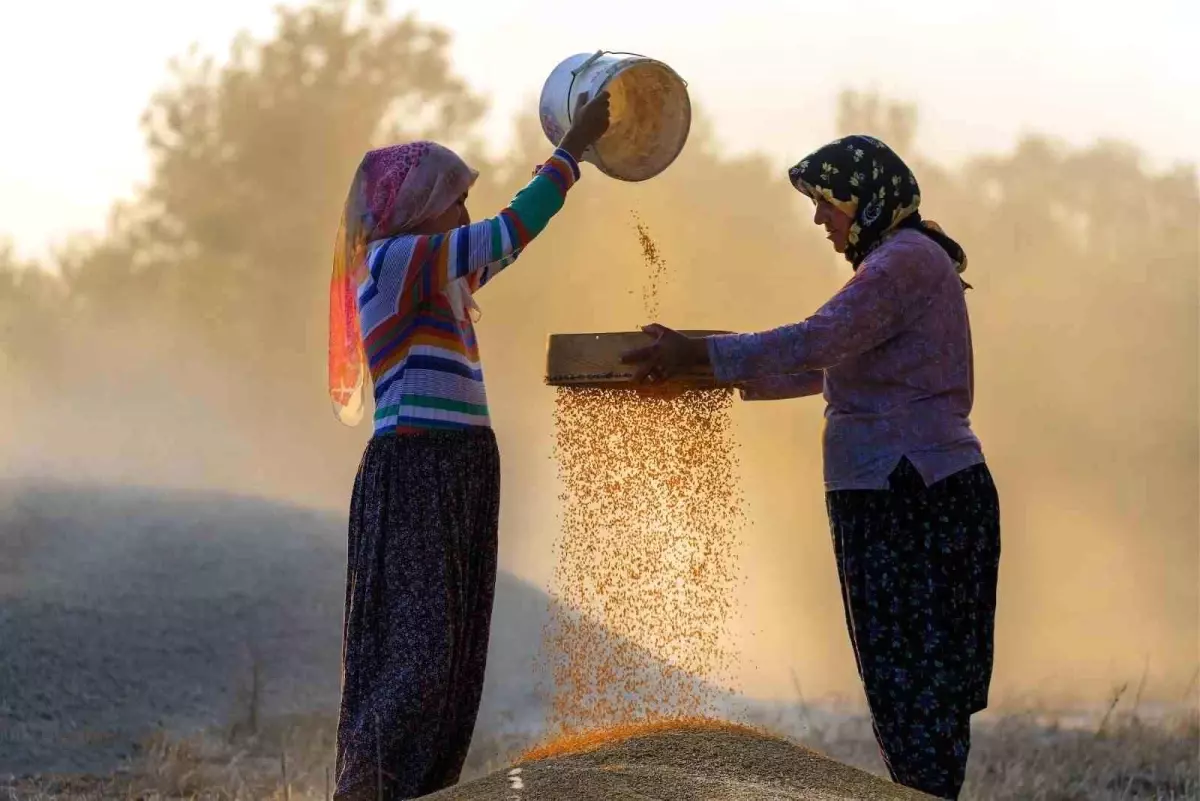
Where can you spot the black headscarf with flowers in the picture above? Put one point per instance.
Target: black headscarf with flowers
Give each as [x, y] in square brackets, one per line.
[865, 179]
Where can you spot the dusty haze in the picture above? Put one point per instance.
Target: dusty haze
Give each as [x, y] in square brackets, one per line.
[185, 345]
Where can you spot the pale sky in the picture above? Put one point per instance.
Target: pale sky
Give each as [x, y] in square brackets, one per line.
[75, 76]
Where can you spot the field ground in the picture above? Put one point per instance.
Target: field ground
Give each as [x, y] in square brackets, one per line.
[126, 611]
[1014, 756]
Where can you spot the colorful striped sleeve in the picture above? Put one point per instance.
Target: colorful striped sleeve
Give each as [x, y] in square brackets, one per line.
[480, 250]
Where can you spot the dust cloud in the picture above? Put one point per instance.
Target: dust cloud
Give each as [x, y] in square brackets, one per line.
[185, 346]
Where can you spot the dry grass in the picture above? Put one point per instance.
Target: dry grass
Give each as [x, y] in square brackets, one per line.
[288, 758]
[1022, 755]
[1035, 755]
[1018, 757]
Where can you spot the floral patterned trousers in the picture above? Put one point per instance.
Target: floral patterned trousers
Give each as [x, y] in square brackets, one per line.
[918, 567]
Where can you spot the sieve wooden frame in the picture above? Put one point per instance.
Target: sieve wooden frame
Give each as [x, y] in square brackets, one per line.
[594, 360]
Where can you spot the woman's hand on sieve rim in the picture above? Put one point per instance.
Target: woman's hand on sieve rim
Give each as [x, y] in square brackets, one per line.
[670, 353]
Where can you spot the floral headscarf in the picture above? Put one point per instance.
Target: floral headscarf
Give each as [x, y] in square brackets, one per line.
[394, 190]
[865, 179]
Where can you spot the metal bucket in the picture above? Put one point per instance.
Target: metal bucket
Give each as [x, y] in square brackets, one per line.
[650, 111]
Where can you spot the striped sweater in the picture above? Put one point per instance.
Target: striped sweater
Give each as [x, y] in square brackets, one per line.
[424, 362]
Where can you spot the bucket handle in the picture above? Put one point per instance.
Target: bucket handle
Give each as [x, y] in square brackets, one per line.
[575, 74]
[592, 60]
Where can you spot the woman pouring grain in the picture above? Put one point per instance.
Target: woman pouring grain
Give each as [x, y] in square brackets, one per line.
[913, 511]
[425, 507]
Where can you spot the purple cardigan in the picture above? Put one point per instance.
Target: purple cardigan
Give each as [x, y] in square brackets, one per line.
[892, 352]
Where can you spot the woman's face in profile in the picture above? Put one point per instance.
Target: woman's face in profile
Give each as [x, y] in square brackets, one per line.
[835, 222]
[454, 217]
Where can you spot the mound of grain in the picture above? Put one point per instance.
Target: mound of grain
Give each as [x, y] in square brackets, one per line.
[677, 762]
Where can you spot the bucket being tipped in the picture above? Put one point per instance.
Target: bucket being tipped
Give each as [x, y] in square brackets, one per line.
[650, 112]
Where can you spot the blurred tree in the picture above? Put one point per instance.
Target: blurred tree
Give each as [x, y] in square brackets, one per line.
[251, 160]
[30, 317]
[874, 115]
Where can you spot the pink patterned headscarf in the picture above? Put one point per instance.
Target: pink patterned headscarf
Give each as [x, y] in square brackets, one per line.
[394, 190]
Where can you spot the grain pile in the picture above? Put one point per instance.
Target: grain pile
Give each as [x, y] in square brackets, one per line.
[680, 761]
[646, 561]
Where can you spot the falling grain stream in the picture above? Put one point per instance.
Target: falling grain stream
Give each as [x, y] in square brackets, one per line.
[646, 560]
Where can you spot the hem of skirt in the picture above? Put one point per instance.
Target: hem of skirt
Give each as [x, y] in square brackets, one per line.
[981, 699]
[363, 791]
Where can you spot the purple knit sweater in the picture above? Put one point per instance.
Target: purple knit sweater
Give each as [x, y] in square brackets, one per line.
[892, 353]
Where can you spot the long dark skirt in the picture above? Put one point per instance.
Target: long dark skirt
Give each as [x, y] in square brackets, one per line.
[419, 586]
[918, 568]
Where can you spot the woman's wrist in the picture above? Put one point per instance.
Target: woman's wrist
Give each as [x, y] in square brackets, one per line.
[698, 351]
[572, 143]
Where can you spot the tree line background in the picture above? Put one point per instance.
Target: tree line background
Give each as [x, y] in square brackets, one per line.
[186, 344]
